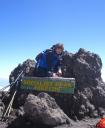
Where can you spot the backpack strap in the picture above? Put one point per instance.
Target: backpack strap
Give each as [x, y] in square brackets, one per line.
[49, 55]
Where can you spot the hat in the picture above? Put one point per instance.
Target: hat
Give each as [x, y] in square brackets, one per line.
[58, 45]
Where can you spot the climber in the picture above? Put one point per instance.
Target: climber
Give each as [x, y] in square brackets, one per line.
[49, 62]
[101, 123]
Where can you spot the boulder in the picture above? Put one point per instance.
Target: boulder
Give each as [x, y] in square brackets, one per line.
[43, 109]
[28, 67]
[2, 107]
[86, 68]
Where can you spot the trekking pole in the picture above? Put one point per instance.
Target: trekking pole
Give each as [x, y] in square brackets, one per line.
[19, 76]
[7, 92]
[12, 84]
[11, 103]
[8, 110]
[2, 89]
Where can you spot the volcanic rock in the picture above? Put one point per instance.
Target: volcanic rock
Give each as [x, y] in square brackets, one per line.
[44, 110]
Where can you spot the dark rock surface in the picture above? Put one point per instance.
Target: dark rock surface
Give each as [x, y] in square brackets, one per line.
[34, 115]
[28, 67]
[85, 123]
[2, 106]
[89, 95]
[37, 112]
[44, 110]
[3, 124]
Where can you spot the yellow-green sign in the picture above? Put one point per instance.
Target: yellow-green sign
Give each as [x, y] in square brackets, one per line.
[49, 84]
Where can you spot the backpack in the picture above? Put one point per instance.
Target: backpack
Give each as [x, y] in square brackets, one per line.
[47, 51]
[39, 56]
[101, 123]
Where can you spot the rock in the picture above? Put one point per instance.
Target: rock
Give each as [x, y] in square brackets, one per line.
[28, 67]
[44, 110]
[3, 124]
[67, 64]
[20, 111]
[102, 112]
[2, 107]
[89, 93]
[85, 123]
[86, 68]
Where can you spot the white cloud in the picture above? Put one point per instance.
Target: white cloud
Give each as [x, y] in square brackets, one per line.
[103, 74]
[3, 82]
[4, 75]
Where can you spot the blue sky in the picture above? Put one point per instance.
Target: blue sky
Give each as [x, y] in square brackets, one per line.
[30, 26]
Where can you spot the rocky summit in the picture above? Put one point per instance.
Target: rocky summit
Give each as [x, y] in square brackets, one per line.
[42, 110]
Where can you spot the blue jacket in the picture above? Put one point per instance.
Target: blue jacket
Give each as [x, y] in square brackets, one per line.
[49, 60]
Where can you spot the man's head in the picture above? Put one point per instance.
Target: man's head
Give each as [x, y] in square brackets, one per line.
[58, 48]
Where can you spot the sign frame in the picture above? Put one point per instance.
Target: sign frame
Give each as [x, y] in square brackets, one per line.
[48, 84]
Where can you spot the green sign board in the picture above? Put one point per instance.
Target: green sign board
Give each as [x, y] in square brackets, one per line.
[49, 84]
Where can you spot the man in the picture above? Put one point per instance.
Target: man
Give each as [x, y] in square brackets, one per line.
[49, 62]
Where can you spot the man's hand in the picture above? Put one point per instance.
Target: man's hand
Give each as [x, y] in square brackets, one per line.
[54, 75]
[59, 74]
